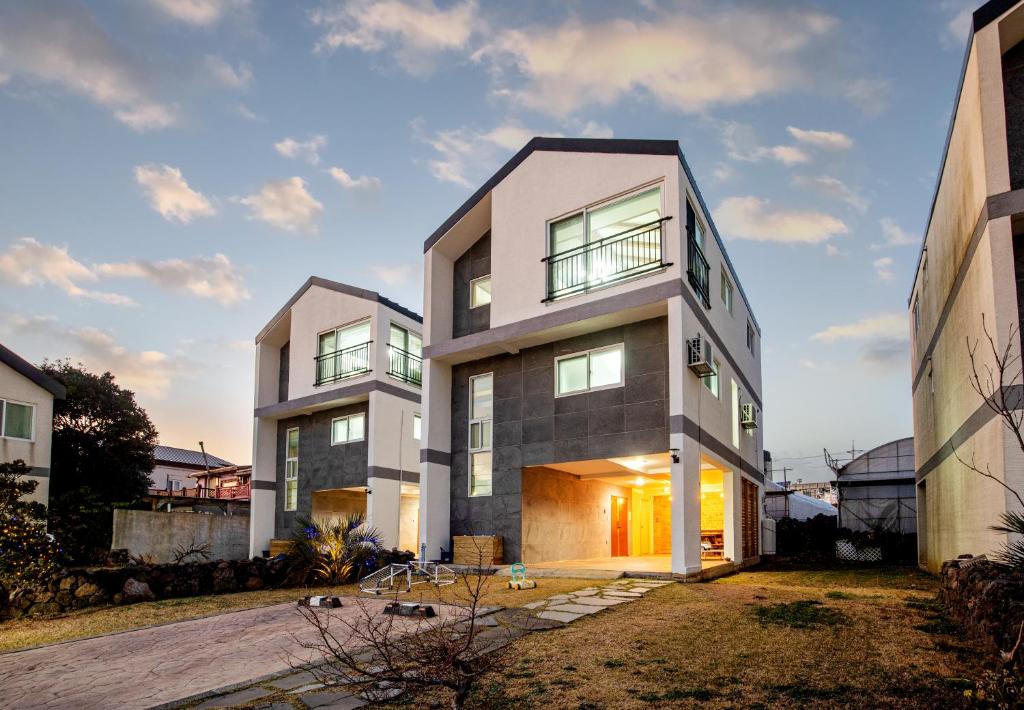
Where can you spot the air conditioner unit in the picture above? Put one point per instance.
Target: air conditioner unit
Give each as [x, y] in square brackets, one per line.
[698, 356]
[748, 416]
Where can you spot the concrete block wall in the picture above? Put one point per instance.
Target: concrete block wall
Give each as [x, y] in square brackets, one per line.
[158, 535]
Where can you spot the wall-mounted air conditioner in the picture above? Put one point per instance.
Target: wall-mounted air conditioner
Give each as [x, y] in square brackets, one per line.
[748, 416]
[698, 356]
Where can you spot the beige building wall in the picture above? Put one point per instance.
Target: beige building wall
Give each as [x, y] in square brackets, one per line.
[35, 453]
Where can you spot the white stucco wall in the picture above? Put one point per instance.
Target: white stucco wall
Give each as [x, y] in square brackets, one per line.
[35, 453]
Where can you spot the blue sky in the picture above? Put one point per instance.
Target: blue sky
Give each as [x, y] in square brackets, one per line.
[172, 170]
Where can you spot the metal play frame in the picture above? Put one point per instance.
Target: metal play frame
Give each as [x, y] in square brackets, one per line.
[393, 578]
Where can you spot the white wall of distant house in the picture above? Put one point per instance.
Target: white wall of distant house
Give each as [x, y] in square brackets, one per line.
[35, 453]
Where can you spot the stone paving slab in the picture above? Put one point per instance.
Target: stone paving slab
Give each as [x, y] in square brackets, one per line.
[575, 608]
[293, 681]
[562, 616]
[237, 698]
[599, 601]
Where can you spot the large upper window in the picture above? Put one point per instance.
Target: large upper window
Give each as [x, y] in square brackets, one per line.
[596, 369]
[291, 469]
[481, 417]
[16, 420]
[346, 429]
[405, 355]
[343, 352]
[603, 244]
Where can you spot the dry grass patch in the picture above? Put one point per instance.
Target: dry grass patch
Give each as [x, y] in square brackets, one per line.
[24, 633]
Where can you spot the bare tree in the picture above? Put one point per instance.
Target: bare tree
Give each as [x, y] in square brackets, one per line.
[185, 553]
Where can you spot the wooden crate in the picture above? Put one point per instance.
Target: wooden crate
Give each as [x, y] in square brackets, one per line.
[477, 550]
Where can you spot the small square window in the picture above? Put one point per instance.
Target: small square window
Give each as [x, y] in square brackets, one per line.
[417, 427]
[594, 369]
[17, 420]
[480, 291]
[348, 429]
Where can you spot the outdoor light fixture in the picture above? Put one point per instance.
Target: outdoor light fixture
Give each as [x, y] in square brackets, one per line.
[675, 455]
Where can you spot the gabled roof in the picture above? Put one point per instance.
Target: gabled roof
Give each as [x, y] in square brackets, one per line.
[186, 457]
[31, 372]
[629, 146]
[340, 288]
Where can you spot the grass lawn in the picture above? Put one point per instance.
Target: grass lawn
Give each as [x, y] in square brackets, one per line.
[777, 638]
[22, 633]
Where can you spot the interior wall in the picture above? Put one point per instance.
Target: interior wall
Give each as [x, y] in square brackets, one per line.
[409, 523]
[565, 518]
[712, 501]
[335, 505]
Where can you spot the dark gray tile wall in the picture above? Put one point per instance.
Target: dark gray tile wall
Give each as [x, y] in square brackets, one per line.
[476, 262]
[321, 465]
[1013, 98]
[282, 373]
[533, 427]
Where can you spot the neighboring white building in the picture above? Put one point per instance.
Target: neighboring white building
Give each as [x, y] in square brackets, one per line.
[971, 266]
[781, 502]
[173, 467]
[877, 491]
[26, 417]
[562, 303]
[337, 416]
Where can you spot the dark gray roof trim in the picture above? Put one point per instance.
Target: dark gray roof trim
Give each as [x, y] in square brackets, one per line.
[358, 389]
[26, 369]
[627, 146]
[990, 12]
[340, 288]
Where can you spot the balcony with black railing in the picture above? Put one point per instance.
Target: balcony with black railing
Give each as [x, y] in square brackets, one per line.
[697, 270]
[405, 366]
[618, 257]
[344, 363]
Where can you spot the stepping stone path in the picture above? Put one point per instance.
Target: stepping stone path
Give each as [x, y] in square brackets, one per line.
[566, 608]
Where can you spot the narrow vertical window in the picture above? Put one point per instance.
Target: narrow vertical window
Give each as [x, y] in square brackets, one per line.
[480, 291]
[917, 316]
[726, 291]
[291, 470]
[735, 414]
[481, 414]
[417, 427]
[750, 337]
[711, 381]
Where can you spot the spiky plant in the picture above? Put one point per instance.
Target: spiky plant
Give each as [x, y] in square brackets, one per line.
[334, 552]
[1011, 553]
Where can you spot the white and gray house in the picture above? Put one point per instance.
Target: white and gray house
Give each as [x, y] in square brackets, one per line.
[591, 368]
[337, 414]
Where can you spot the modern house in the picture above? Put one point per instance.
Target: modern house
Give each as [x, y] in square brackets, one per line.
[592, 367]
[967, 282]
[337, 414]
[26, 418]
[173, 468]
[877, 491]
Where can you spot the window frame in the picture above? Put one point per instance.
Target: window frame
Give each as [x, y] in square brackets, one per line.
[348, 428]
[751, 337]
[417, 427]
[4, 401]
[472, 292]
[716, 392]
[343, 326]
[917, 315]
[727, 289]
[294, 475]
[622, 369]
[486, 424]
[698, 226]
[594, 206]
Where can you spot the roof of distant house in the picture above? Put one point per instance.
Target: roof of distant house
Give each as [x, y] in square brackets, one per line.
[186, 457]
[225, 471]
[30, 371]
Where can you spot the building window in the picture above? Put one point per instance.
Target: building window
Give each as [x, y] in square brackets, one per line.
[417, 427]
[698, 271]
[348, 429]
[750, 337]
[694, 225]
[405, 355]
[917, 316]
[16, 420]
[343, 352]
[481, 415]
[291, 470]
[726, 291]
[596, 369]
[711, 381]
[480, 291]
[735, 414]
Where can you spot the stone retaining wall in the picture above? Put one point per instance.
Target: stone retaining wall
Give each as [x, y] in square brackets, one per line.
[988, 600]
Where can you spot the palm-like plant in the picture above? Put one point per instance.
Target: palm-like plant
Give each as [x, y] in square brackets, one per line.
[333, 552]
[1012, 552]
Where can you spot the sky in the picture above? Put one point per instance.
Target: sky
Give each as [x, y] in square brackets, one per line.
[171, 171]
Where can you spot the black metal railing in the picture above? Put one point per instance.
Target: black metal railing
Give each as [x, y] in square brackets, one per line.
[615, 258]
[349, 362]
[405, 366]
[697, 268]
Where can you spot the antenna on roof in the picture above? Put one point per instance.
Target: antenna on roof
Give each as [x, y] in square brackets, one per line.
[206, 462]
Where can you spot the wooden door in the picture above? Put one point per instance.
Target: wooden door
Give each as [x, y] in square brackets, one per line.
[751, 520]
[662, 525]
[620, 527]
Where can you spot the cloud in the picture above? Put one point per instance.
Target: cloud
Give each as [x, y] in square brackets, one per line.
[808, 364]
[756, 219]
[170, 195]
[217, 68]
[215, 277]
[363, 182]
[397, 275]
[722, 172]
[683, 61]
[308, 150]
[825, 140]
[247, 113]
[833, 250]
[741, 144]
[883, 268]
[30, 263]
[894, 236]
[870, 95]
[286, 205]
[834, 188]
[61, 44]
[886, 352]
[882, 325]
[415, 31]
[958, 26]
[148, 372]
[198, 13]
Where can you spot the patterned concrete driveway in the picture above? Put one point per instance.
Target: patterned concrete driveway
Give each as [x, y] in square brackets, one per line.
[158, 665]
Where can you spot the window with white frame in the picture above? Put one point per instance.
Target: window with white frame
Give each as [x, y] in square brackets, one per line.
[751, 333]
[600, 368]
[406, 340]
[291, 469]
[480, 291]
[726, 291]
[347, 429]
[735, 414]
[417, 427]
[16, 420]
[917, 316]
[481, 416]
[711, 381]
[343, 352]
